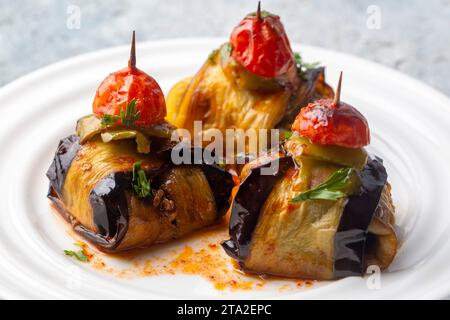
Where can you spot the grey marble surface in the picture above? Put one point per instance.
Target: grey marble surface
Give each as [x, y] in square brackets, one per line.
[414, 36]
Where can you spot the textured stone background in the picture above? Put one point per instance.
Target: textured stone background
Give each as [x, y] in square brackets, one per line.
[414, 36]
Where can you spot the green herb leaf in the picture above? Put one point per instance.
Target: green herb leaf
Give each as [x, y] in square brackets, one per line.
[109, 120]
[298, 58]
[331, 189]
[141, 184]
[303, 67]
[287, 134]
[79, 255]
[128, 116]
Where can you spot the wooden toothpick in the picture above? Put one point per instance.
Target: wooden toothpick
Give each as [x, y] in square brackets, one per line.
[337, 95]
[258, 11]
[132, 61]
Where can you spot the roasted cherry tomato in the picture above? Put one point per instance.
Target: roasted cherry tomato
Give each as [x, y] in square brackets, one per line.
[261, 45]
[330, 123]
[121, 87]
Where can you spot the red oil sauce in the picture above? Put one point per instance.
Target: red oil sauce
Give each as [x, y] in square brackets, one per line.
[198, 254]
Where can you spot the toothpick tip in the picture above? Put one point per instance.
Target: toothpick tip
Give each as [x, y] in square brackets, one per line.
[258, 11]
[132, 61]
[337, 95]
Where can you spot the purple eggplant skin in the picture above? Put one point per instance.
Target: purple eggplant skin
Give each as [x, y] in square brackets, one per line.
[108, 197]
[351, 236]
[218, 178]
[353, 226]
[110, 209]
[247, 203]
[110, 212]
[65, 153]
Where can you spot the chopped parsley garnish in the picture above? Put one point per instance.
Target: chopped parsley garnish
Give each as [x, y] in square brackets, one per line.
[331, 189]
[298, 58]
[303, 67]
[128, 117]
[79, 255]
[109, 119]
[287, 134]
[131, 114]
[141, 184]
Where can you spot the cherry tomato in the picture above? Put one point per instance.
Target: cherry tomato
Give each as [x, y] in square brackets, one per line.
[325, 122]
[122, 86]
[261, 45]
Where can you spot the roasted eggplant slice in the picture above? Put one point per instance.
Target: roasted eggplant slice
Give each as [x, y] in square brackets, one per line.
[382, 239]
[316, 239]
[91, 185]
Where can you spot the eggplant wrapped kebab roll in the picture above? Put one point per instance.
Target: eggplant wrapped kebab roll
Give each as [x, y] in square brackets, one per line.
[327, 211]
[115, 180]
[254, 81]
[119, 199]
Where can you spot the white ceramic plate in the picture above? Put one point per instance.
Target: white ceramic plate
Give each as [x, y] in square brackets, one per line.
[410, 131]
